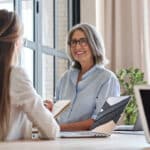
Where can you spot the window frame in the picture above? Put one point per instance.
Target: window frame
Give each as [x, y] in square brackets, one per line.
[36, 45]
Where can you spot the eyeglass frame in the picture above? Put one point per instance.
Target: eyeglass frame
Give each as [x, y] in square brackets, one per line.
[82, 42]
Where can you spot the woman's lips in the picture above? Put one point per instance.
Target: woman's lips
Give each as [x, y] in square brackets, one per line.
[79, 53]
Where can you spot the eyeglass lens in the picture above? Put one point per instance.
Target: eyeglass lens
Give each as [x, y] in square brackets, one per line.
[81, 42]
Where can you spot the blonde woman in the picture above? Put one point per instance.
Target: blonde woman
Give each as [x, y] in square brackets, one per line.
[20, 105]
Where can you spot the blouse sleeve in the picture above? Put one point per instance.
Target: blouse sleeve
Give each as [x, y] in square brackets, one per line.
[31, 103]
[110, 88]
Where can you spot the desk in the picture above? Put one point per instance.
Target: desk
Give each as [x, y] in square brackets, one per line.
[114, 142]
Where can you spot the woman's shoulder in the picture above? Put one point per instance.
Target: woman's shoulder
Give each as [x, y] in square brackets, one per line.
[17, 70]
[21, 87]
[18, 74]
[107, 72]
[68, 76]
[69, 72]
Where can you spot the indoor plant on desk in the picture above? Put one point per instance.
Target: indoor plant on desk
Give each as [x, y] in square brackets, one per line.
[128, 78]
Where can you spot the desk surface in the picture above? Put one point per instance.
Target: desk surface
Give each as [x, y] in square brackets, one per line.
[114, 142]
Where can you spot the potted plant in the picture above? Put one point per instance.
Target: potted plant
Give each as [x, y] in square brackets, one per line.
[128, 78]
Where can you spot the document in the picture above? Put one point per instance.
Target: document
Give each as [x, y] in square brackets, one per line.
[59, 107]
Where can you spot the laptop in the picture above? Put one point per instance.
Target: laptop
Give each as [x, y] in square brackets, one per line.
[105, 122]
[142, 94]
[136, 127]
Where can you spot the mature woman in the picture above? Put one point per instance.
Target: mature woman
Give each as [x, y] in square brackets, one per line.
[88, 83]
[19, 103]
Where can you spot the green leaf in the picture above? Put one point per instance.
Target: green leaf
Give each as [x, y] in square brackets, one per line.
[128, 78]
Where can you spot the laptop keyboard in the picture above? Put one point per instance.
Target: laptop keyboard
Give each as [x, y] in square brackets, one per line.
[82, 134]
[89, 133]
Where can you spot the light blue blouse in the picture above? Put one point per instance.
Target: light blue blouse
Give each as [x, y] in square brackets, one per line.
[88, 96]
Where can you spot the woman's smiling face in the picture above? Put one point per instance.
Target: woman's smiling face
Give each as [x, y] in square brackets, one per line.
[80, 48]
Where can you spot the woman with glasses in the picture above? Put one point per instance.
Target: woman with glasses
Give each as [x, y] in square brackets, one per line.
[20, 105]
[87, 83]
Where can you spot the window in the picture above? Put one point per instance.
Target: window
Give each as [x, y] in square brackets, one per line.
[27, 54]
[7, 4]
[46, 23]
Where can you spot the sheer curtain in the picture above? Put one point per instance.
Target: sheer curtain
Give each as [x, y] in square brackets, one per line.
[125, 26]
[127, 35]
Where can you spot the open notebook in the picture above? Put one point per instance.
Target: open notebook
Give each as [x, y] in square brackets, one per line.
[106, 120]
[59, 107]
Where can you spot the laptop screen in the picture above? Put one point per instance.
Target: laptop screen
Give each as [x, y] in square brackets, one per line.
[145, 97]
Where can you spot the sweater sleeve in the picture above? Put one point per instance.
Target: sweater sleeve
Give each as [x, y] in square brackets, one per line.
[31, 103]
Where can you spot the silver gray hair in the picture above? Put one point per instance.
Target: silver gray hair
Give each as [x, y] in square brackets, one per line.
[95, 42]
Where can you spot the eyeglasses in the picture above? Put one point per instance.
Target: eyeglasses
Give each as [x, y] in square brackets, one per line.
[82, 42]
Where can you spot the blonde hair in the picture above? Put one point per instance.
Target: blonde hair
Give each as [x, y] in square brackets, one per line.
[10, 30]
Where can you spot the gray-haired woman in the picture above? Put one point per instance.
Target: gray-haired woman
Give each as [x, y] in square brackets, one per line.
[87, 83]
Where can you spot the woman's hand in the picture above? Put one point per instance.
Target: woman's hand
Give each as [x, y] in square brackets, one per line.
[48, 104]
